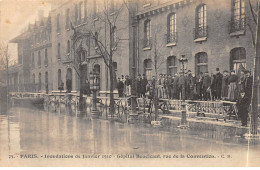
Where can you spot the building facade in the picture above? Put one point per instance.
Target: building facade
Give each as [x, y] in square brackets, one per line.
[210, 33]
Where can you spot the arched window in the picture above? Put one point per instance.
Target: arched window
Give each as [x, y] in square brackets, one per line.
[33, 62]
[238, 59]
[58, 23]
[39, 59]
[238, 15]
[46, 82]
[59, 77]
[67, 18]
[171, 28]
[96, 68]
[33, 78]
[46, 57]
[147, 33]
[201, 61]
[171, 65]
[148, 68]
[58, 51]
[40, 82]
[201, 22]
[68, 46]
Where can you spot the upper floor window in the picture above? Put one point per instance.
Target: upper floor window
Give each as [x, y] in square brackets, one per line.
[238, 16]
[171, 28]
[81, 11]
[96, 40]
[58, 23]
[76, 13]
[201, 22]
[46, 57]
[39, 59]
[68, 46]
[58, 51]
[147, 33]
[67, 18]
[96, 7]
[33, 62]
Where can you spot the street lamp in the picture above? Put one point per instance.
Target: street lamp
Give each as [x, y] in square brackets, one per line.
[183, 60]
[94, 86]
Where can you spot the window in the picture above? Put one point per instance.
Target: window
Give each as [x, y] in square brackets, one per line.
[39, 59]
[33, 62]
[238, 59]
[76, 13]
[114, 37]
[81, 11]
[46, 57]
[58, 23]
[171, 30]
[171, 65]
[68, 46]
[201, 22]
[201, 61]
[238, 16]
[95, 4]
[112, 5]
[148, 68]
[46, 82]
[59, 77]
[147, 33]
[96, 40]
[115, 66]
[67, 18]
[58, 51]
[33, 78]
[40, 82]
[96, 69]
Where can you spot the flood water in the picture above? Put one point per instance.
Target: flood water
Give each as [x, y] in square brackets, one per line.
[33, 131]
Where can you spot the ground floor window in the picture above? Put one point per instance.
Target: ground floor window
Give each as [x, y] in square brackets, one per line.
[171, 65]
[238, 59]
[201, 61]
[148, 68]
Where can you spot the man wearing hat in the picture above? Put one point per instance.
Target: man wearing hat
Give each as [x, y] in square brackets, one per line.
[248, 84]
[217, 84]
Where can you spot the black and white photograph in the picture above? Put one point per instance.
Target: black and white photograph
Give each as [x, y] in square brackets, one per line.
[129, 83]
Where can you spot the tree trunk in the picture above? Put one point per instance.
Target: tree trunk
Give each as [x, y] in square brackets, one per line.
[112, 105]
[254, 111]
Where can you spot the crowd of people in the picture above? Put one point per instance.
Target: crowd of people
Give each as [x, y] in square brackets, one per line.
[229, 86]
[218, 86]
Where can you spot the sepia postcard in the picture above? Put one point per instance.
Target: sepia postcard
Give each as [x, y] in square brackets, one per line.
[119, 83]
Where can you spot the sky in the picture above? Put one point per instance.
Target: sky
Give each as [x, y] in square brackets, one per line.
[15, 15]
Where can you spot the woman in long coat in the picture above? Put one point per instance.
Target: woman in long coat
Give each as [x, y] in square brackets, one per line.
[232, 87]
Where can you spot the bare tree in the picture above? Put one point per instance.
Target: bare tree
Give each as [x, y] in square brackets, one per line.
[255, 31]
[157, 61]
[5, 61]
[108, 47]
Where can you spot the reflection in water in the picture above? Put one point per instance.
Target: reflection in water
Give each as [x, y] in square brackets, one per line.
[26, 131]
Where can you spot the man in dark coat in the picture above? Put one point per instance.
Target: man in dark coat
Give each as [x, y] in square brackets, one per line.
[175, 90]
[169, 87]
[182, 86]
[199, 90]
[144, 83]
[206, 86]
[242, 107]
[120, 87]
[217, 84]
[248, 84]
[139, 85]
